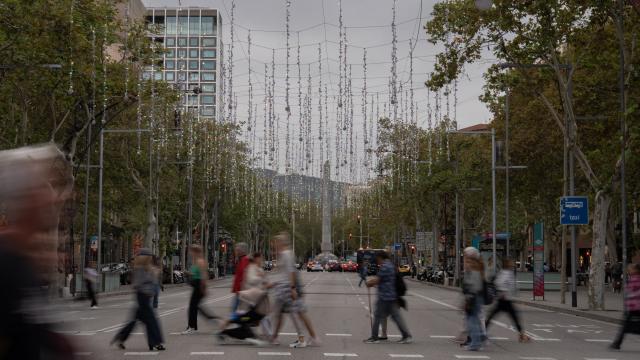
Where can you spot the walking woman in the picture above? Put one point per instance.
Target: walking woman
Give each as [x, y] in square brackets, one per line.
[506, 286]
[199, 284]
[144, 284]
[631, 322]
[473, 290]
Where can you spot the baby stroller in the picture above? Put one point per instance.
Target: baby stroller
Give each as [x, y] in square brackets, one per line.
[253, 307]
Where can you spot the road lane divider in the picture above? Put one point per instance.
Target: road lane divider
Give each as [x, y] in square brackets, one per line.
[141, 353]
[340, 355]
[206, 353]
[273, 353]
[472, 357]
[407, 356]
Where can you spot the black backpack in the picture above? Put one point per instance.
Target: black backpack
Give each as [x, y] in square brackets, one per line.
[401, 287]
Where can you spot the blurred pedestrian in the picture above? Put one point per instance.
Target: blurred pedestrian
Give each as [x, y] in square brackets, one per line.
[288, 288]
[157, 270]
[364, 271]
[198, 274]
[238, 280]
[34, 184]
[505, 283]
[90, 279]
[388, 300]
[144, 283]
[473, 291]
[631, 322]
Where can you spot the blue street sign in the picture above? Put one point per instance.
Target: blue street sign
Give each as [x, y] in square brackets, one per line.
[574, 210]
[397, 246]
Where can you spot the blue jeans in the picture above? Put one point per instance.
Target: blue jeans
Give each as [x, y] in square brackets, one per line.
[156, 293]
[234, 307]
[474, 326]
[385, 309]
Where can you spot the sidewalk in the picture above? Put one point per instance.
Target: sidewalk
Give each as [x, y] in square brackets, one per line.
[128, 289]
[613, 302]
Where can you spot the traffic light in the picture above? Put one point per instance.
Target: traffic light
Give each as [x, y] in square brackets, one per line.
[350, 236]
[413, 249]
[359, 219]
[224, 247]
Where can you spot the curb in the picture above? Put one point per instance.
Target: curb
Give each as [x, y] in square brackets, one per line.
[581, 313]
[131, 291]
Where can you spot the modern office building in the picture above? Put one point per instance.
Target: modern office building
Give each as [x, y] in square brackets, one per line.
[192, 58]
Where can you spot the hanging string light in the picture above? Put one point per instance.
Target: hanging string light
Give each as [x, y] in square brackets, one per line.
[230, 66]
[394, 63]
[250, 106]
[320, 104]
[94, 71]
[104, 75]
[71, 42]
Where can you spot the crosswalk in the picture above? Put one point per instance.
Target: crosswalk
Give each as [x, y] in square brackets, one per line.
[329, 355]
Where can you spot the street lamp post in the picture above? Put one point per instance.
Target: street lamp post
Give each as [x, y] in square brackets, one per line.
[493, 185]
[360, 223]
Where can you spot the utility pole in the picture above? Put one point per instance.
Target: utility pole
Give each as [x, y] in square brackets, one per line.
[493, 194]
[293, 230]
[360, 223]
[100, 179]
[623, 129]
[506, 173]
[456, 273]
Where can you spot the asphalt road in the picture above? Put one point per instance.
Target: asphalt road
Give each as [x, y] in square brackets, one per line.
[340, 311]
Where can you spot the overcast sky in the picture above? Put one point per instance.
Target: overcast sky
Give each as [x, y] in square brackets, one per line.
[368, 25]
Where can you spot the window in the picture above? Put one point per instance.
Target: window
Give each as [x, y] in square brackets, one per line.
[208, 76]
[171, 25]
[182, 76]
[171, 53]
[182, 65]
[208, 88]
[192, 87]
[193, 42]
[192, 100]
[207, 111]
[193, 53]
[183, 22]
[158, 75]
[182, 53]
[193, 76]
[182, 42]
[170, 64]
[169, 76]
[210, 41]
[193, 64]
[207, 99]
[208, 53]
[146, 75]
[208, 25]
[170, 41]
[194, 25]
[208, 65]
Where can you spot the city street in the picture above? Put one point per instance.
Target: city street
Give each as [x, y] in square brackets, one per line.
[340, 311]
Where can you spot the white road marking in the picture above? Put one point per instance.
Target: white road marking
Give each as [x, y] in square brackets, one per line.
[197, 353]
[273, 353]
[498, 338]
[597, 340]
[536, 358]
[472, 357]
[85, 333]
[406, 356]
[394, 336]
[137, 333]
[600, 359]
[546, 339]
[288, 334]
[337, 334]
[340, 355]
[87, 318]
[141, 353]
[442, 336]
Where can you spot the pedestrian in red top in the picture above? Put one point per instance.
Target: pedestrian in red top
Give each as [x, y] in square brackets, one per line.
[631, 322]
[238, 279]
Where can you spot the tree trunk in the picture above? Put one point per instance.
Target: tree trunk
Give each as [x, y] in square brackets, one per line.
[151, 226]
[596, 272]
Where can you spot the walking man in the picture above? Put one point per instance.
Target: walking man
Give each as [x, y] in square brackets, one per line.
[90, 277]
[238, 280]
[363, 273]
[632, 306]
[388, 300]
[505, 286]
[199, 285]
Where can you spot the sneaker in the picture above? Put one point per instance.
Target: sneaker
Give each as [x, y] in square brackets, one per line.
[372, 340]
[472, 348]
[94, 307]
[523, 338]
[406, 340]
[189, 331]
[614, 347]
[383, 338]
[298, 344]
[256, 342]
[314, 342]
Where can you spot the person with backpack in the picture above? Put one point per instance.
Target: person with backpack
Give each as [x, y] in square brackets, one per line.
[391, 288]
[631, 322]
[505, 285]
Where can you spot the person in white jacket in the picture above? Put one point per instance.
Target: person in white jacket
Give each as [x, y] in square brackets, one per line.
[505, 283]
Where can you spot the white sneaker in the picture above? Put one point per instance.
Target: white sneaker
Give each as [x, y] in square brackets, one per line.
[94, 307]
[189, 331]
[298, 344]
[314, 342]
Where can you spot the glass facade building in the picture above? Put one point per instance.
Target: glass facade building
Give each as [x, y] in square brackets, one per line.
[191, 59]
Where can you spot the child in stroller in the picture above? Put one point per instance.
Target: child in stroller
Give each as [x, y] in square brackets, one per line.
[252, 310]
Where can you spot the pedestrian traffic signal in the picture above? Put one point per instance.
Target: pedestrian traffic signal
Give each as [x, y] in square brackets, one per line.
[350, 236]
[224, 247]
